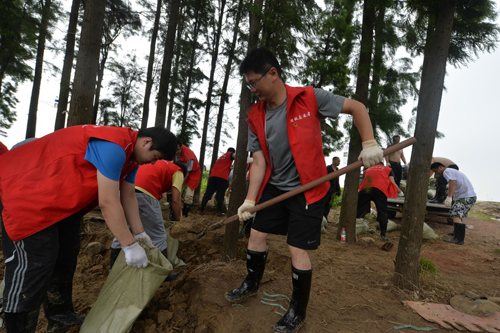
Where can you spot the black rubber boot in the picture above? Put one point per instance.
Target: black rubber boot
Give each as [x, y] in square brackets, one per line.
[185, 210]
[383, 230]
[58, 308]
[113, 254]
[459, 234]
[296, 314]
[63, 322]
[204, 202]
[219, 209]
[256, 263]
[440, 194]
[22, 322]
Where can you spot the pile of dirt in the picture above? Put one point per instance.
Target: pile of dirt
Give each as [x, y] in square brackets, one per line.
[352, 286]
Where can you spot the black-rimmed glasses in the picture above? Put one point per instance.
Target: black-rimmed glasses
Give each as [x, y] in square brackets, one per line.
[253, 84]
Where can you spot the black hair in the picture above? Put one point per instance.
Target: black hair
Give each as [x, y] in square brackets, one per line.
[179, 142]
[259, 60]
[163, 140]
[232, 150]
[335, 157]
[182, 166]
[436, 165]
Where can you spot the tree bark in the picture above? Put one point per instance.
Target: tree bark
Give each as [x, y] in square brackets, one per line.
[151, 60]
[35, 92]
[239, 184]
[168, 54]
[87, 64]
[215, 55]
[429, 102]
[64, 87]
[348, 209]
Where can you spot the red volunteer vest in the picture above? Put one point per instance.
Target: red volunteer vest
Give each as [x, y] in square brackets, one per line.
[3, 149]
[378, 176]
[156, 178]
[52, 172]
[304, 136]
[222, 166]
[193, 180]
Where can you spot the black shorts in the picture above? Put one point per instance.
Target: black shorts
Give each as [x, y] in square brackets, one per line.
[292, 217]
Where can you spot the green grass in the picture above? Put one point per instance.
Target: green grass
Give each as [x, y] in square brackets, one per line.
[336, 201]
[427, 266]
[496, 251]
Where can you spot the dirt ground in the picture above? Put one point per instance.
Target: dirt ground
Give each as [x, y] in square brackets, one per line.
[352, 288]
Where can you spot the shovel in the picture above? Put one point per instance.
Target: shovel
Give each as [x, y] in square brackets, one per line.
[314, 183]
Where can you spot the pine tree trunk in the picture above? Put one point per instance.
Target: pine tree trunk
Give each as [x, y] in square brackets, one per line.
[151, 60]
[348, 209]
[239, 184]
[35, 92]
[64, 89]
[175, 72]
[429, 103]
[168, 54]
[87, 63]
[100, 76]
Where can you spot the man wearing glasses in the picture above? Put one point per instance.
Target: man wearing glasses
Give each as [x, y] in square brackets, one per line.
[285, 138]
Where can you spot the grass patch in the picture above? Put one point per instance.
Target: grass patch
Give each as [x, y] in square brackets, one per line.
[427, 266]
[496, 251]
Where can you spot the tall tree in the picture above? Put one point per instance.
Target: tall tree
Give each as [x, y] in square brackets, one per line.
[18, 41]
[168, 54]
[230, 242]
[347, 217]
[46, 16]
[211, 82]
[64, 88]
[87, 64]
[151, 60]
[440, 17]
[120, 20]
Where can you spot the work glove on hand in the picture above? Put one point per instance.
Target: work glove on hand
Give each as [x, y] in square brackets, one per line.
[143, 237]
[371, 153]
[448, 201]
[401, 194]
[242, 211]
[135, 256]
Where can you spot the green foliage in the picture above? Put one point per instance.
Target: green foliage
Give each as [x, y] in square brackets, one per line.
[123, 108]
[496, 251]
[204, 181]
[336, 200]
[427, 266]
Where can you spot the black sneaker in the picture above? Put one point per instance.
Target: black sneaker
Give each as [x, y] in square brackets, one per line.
[63, 322]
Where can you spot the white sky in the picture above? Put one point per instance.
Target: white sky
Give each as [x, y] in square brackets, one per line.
[469, 118]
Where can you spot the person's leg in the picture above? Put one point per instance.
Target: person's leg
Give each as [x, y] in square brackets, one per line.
[211, 188]
[304, 233]
[58, 304]
[380, 200]
[440, 196]
[152, 220]
[364, 200]
[398, 172]
[269, 220]
[327, 206]
[29, 264]
[222, 186]
[188, 201]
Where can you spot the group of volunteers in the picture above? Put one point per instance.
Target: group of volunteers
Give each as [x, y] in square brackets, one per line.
[71, 171]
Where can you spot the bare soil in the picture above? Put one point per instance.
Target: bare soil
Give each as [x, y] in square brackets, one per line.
[352, 288]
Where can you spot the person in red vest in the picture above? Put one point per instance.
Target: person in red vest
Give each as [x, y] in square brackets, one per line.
[3, 148]
[151, 181]
[218, 180]
[65, 174]
[187, 157]
[285, 138]
[378, 184]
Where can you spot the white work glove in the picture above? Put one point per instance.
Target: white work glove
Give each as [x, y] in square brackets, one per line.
[448, 201]
[371, 153]
[143, 237]
[401, 194]
[135, 256]
[242, 211]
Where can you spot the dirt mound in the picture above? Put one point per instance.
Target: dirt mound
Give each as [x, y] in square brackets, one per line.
[352, 284]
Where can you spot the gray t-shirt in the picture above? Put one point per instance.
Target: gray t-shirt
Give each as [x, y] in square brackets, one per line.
[284, 175]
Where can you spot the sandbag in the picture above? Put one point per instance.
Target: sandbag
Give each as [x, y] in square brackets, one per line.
[324, 224]
[391, 226]
[428, 233]
[126, 293]
[362, 227]
[172, 247]
[480, 306]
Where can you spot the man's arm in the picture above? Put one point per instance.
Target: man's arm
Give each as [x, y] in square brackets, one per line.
[186, 177]
[131, 207]
[403, 157]
[452, 185]
[360, 116]
[257, 175]
[391, 178]
[112, 210]
[176, 203]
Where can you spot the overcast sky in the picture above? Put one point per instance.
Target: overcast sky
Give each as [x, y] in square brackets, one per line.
[469, 118]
